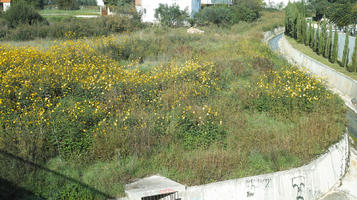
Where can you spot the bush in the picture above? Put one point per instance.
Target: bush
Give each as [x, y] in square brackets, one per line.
[221, 15]
[244, 13]
[171, 15]
[67, 4]
[77, 28]
[303, 93]
[224, 15]
[22, 13]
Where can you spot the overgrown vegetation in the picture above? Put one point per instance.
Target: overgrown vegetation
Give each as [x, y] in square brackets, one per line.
[171, 15]
[29, 24]
[226, 15]
[195, 108]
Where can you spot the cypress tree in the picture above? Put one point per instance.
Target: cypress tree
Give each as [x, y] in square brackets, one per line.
[322, 41]
[329, 43]
[304, 29]
[308, 35]
[299, 29]
[346, 65]
[286, 22]
[334, 54]
[294, 21]
[312, 36]
[316, 41]
[354, 57]
[345, 50]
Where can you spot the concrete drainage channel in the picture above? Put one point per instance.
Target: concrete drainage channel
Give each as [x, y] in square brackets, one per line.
[347, 89]
[309, 182]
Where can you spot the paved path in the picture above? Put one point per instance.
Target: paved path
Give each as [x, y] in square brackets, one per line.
[347, 189]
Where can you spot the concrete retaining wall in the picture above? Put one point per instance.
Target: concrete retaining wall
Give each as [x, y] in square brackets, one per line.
[304, 183]
[338, 82]
[270, 34]
[308, 182]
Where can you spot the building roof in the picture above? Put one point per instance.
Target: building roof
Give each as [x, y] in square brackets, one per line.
[5, 1]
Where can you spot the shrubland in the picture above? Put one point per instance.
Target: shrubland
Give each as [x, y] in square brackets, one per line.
[81, 118]
[29, 24]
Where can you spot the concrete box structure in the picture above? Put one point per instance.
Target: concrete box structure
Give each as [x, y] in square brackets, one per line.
[5, 5]
[154, 187]
[148, 7]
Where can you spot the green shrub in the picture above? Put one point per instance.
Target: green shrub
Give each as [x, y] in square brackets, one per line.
[200, 131]
[77, 28]
[75, 192]
[226, 15]
[3, 27]
[221, 15]
[302, 93]
[171, 15]
[67, 4]
[245, 13]
[22, 13]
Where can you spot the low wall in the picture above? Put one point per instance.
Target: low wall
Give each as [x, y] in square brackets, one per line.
[308, 182]
[271, 34]
[338, 82]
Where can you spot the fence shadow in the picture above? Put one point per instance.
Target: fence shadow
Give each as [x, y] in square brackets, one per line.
[23, 179]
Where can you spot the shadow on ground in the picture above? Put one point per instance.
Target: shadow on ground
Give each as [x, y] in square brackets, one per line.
[23, 179]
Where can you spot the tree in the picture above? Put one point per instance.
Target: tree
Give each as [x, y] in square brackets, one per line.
[317, 36]
[328, 44]
[308, 35]
[345, 50]
[333, 57]
[67, 4]
[170, 15]
[22, 13]
[354, 57]
[312, 35]
[344, 13]
[303, 29]
[322, 41]
[117, 2]
[218, 15]
[38, 4]
[299, 33]
[291, 17]
[320, 8]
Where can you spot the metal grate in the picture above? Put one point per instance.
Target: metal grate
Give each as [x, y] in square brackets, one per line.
[169, 196]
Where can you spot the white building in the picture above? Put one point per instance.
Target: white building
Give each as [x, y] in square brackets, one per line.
[147, 7]
[214, 2]
[5, 5]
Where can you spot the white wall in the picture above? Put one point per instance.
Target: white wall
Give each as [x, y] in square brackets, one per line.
[308, 182]
[148, 7]
[208, 2]
[6, 6]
